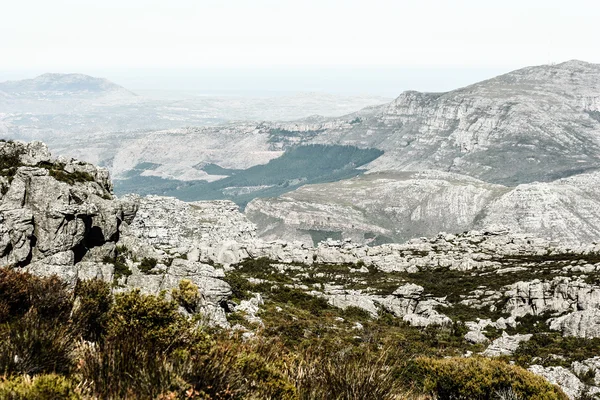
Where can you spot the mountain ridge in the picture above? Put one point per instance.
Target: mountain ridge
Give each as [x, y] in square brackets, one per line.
[62, 82]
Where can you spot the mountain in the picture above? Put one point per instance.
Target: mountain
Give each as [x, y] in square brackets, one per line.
[61, 85]
[70, 107]
[534, 124]
[519, 150]
[511, 133]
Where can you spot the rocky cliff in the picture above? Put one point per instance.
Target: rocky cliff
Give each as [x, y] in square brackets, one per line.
[396, 206]
[59, 217]
[530, 138]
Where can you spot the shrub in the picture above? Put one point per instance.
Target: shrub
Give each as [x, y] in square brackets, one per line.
[347, 375]
[57, 171]
[135, 359]
[126, 367]
[10, 161]
[120, 262]
[261, 366]
[240, 287]
[152, 320]
[15, 297]
[187, 295]
[31, 345]
[147, 264]
[213, 373]
[93, 303]
[21, 291]
[479, 378]
[42, 387]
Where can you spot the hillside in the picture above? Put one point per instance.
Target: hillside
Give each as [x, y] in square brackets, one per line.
[60, 85]
[187, 294]
[531, 137]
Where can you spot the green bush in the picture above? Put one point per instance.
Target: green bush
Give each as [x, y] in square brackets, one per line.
[32, 345]
[21, 291]
[10, 161]
[119, 262]
[41, 387]
[57, 171]
[147, 264]
[347, 375]
[150, 319]
[93, 303]
[479, 378]
[187, 295]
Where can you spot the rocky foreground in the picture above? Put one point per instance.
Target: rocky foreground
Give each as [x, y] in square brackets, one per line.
[513, 296]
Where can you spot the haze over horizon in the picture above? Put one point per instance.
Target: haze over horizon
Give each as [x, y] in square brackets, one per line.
[268, 47]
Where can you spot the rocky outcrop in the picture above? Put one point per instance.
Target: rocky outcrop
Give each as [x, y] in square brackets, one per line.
[59, 217]
[559, 295]
[56, 212]
[187, 228]
[213, 291]
[564, 378]
[584, 324]
[505, 345]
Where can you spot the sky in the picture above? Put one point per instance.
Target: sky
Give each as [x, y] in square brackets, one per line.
[288, 44]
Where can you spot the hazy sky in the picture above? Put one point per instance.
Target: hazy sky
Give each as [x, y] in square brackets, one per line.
[121, 37]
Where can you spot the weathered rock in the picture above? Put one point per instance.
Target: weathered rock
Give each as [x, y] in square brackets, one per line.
[53, 206]
[476, 337]
[213, 292]
[562, 377]
[584, 324]
[505, 345]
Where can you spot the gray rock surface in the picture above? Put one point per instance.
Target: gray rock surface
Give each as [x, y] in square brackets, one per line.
[584, 324]
[505, 345]
[562, 377]
[59, 217]
[50, 221]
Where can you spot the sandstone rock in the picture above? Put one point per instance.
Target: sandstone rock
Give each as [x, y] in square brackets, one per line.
[562, 377]
[66, 217]
[584, 324]
[505, 345]
[476, 337]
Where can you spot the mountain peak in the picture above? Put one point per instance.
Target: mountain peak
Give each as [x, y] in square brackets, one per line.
[58, 82]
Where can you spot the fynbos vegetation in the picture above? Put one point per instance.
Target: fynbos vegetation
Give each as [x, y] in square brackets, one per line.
[90, 344]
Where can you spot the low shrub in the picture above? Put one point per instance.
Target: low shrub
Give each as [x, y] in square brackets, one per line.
[21, 291]
[478, 378]
[41, 387]
[147, 264]
[347, 375]
[32, 345]
[187, 295]
[58, 172]
[93, 303]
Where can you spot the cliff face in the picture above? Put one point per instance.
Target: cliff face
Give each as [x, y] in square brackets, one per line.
[534, 124]
[59, 217]
[55, 211]
[397, 206]
[531, 138]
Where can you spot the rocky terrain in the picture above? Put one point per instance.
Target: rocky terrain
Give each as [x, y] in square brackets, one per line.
[508, 289]
[519, 151]
[504, 294]
[396, 206]
[529, 138]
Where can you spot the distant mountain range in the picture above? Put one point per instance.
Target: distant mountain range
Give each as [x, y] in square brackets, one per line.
[521, 151]
[71, 84]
